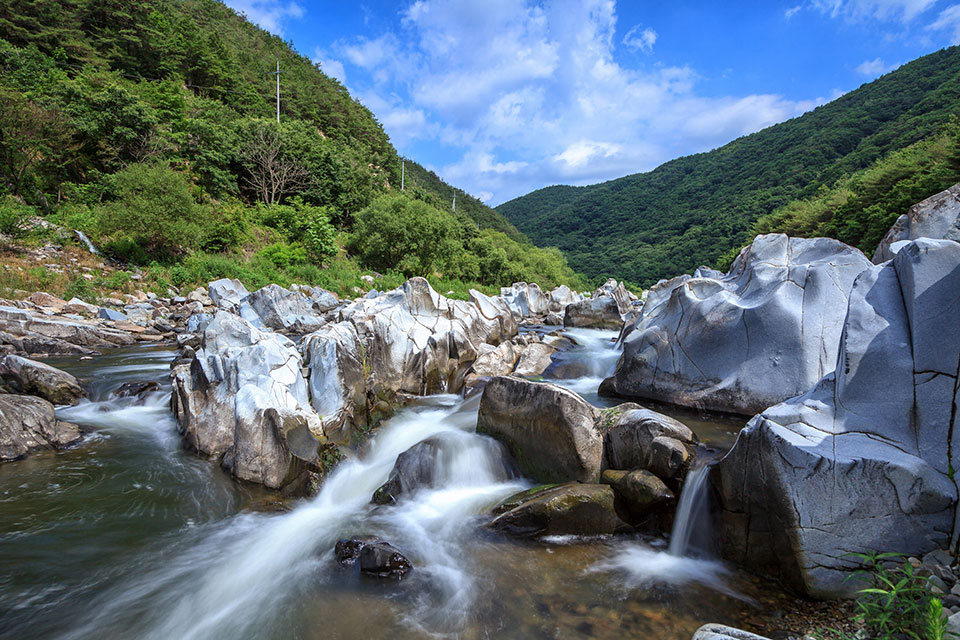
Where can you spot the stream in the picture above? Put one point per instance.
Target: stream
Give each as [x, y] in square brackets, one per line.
[131, 536]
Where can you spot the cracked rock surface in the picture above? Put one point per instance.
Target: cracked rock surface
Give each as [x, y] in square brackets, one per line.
[936, 217]
[742, 341]
[864, 460]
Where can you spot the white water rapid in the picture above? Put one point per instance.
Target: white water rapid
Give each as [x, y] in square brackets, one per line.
[241, 577]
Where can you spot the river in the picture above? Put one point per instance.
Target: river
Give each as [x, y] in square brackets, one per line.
[131, 536]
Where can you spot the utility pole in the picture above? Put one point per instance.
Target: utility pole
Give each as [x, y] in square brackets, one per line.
[454, 200]
[277, 73]
[402, 167]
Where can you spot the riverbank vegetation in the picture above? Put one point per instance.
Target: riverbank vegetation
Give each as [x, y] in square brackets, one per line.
[149, 127]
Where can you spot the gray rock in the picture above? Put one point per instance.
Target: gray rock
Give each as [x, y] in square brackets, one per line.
[283, 310]
[612, 289]
[384, 560]
[764, 332]
[936, 217]
[638, 438]
[594, 313]
[41, 334]
[321, 299]
[550, 431]
[243, 398]
[27, 424]
[525, 300]
[34, 378]
[112, 314]
[567, 509]
[534, 360]
[862, 461]
[225, 293]
[410, 340]
[198, 322]
[723, 632]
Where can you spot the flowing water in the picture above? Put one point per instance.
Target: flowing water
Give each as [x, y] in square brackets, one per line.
[130, 536]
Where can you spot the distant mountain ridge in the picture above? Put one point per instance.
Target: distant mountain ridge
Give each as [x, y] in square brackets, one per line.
[692, 210]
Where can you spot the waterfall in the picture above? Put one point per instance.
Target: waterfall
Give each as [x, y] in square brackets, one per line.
[692, 510]
[85, 240]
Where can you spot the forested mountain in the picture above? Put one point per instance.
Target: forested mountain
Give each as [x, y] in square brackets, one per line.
[150, 125]
[692, 210]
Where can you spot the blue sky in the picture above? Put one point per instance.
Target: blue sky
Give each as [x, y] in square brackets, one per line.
[501, 97]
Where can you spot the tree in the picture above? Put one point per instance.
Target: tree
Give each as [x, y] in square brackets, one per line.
[30, 137]
[397, 232]
[271, 173]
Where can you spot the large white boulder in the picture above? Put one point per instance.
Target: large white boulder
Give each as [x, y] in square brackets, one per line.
[936, 217]
[227, 293]
[411, 340]
[243, 399]
[740, 342]
[865, 460]
[281, 310]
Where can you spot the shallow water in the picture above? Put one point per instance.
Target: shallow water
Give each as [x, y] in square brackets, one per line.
[130, 536]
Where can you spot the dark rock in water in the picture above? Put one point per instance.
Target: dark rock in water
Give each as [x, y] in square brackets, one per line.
[640, 491]
[28, 424]
[571, 508]
[595, 313]
[347, 550]
[384, 560]
[137, 388]
[414, 468]
[376, 557]
[30, 377]
[638, 438]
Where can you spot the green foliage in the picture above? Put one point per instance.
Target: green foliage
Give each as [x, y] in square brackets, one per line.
[898, 604]
[153, 208]
[14, 216]
[408, 234]
[80, 287]
[690, 211]
[284, 255]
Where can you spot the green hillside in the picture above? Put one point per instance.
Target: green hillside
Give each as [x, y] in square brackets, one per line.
[692, 210]
[150, 126]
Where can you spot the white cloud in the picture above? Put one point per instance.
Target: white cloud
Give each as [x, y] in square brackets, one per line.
[526, 94]
[330, 66]
[902, 10]
[268, 14]
[949, 18]
[792, 11]
[875, 67]
[640, 40]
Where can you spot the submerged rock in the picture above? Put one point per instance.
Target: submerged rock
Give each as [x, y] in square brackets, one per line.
[33, 378]
[566, 509]
[740, 342]
[138, 388]
[550, 431]
[862, 461]
[936, 217]
[383, 560]
[28, 424]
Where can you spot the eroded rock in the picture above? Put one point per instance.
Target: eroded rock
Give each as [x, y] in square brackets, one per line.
[28, 424]
[571, 508]
[741, 342]
[936, 217]
[33, 378]
[862, 461]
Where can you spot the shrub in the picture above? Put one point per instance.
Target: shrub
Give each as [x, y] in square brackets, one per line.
[14, 216]
[284, 255]
[81, 288]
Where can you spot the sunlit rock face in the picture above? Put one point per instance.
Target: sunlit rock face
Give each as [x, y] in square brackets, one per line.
[936, 217]
[864, 461]
[411, 340]
[243, 398]
[742, 341]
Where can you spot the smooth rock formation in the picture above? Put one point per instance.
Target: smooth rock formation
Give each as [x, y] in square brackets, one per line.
[33, 378]
[863, 461]
[27, 424]
[528, 301]
[566, 509]
[321, 299]
[550, 431]
[282, 310]
[936, 217]
[534, 360]
[739, 343]
[243, 398]
[413, 469]
[410, 340]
